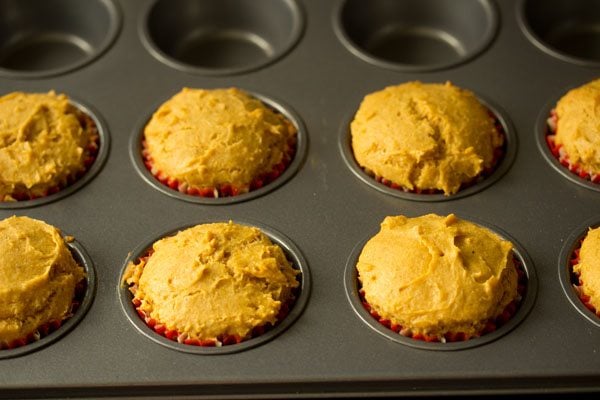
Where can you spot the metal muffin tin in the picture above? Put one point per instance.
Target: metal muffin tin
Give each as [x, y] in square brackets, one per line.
[520, 58]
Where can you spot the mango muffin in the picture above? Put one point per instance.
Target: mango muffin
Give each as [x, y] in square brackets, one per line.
[216, 143]
[212, 284]
[438, 278]
[38, 280]
[587, 269]
[422, 137]
[575, 131]
[46, 144]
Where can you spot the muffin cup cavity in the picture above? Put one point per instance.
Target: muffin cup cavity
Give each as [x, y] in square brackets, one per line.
[54, 330]
[567, 30]
[569, 280]
[504, 323]
[53, 37]
[98, 152]
[226, 193]
[174, 340]
[216, 37]
[415, 35]
[505, 158]
[545, 128]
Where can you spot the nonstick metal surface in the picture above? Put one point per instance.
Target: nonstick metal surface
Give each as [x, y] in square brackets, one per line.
[319, 59]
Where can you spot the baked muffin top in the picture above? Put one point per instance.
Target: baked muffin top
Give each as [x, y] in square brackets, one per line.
[213, 280]
[435, 275]
[424, 136]
[206, 138]
[588, 266]
[578, 126]
[38, 276]
[42, 143]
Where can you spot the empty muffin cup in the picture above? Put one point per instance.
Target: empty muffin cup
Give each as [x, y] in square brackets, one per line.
[415, 35]
[567, 30]
[512, 315]
[225, 344]
[51, 332]
[220, 37]
[51, 37]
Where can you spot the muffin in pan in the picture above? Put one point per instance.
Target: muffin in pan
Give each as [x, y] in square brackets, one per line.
[574, 127]
[40, 282]
[213, 284]
[46, 144]
[217, 143]
[586, 267]
[439, 278]
[426, 138]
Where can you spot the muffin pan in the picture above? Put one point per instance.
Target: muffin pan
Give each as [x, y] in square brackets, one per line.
[314, 61]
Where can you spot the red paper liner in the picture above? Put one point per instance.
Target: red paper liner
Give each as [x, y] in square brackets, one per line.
[577, 282]
[561, 155]
[224, 189]
[498, 155]
[222, 340]
[51, 326]
[90, 155]
[491, 325]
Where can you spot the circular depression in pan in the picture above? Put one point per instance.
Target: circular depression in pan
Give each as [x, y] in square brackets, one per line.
[568, 279]
[567, 30]
[43, 38]
[542, 134]
[136, 148]
[83, 259]
[415, 35]
[509, 150]
[293, 255]
[88, 175]
[352, 287]
[218, 37]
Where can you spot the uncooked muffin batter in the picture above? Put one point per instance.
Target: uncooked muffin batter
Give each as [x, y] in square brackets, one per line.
[435, 274]
[206, 138]
[213, 280]
[578, 126]
[588, 267]
[38, 276]
[42, 143]
[424, 136]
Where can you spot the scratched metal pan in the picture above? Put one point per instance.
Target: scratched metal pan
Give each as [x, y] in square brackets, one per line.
[314, 61]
